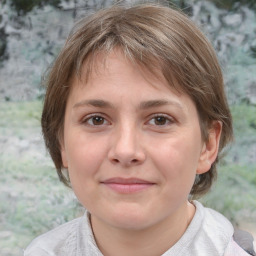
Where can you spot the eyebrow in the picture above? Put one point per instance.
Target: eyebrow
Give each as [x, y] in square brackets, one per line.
[143, 105]
[159, 103]
[95, 103]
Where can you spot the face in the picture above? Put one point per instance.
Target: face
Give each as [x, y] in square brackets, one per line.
[132, 145]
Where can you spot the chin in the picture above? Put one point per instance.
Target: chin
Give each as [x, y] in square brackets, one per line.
[131, 219]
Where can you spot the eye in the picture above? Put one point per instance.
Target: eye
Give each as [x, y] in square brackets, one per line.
[160, 120]
[95, 120]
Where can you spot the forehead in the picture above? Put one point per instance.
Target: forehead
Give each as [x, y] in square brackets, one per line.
[116, 77]
[105, 67]
[102, 65]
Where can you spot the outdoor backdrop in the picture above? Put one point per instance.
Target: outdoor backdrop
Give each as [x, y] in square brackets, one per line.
[32, 200]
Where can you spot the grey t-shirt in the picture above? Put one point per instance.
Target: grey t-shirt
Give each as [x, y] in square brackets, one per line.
[209, 233]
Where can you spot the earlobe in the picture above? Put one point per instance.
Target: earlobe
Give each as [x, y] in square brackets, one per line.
[210, 148]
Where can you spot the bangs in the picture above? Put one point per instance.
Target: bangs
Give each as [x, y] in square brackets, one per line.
[154, 65]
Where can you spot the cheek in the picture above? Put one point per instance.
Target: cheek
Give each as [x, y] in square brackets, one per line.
[85, 160]
[177, 162]
[85, 155]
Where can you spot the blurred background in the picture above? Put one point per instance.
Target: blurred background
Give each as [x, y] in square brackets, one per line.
[32, 200]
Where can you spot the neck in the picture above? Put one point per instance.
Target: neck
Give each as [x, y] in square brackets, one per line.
[153, 240]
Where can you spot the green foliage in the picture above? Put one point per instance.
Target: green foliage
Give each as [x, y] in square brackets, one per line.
[253, 51]
[33, 201]
[229, 4]
[3, 43]
[181, 4]
[24, 6]
[20, 115]
[244, 119]
[224, 4]
[235, 191]
[244, 130]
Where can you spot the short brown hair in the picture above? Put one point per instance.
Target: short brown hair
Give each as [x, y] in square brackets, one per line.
[157, 38]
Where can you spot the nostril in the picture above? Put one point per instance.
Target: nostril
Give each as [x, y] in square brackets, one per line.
[133, 161]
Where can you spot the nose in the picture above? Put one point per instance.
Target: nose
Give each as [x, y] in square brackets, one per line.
[126, 148]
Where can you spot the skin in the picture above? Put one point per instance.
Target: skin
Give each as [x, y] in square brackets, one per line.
[133, 146]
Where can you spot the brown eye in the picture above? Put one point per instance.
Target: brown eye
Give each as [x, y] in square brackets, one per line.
[160, 120]
[95, 121]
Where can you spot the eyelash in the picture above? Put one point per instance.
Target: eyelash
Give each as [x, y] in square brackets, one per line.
[89, 120]
[167, 119]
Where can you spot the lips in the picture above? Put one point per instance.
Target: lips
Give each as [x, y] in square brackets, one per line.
[127, 186]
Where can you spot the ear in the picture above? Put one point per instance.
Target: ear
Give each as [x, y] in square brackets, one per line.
[210, 148]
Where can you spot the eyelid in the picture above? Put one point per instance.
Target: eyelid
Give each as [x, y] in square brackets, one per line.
[85, 119]
[169, 118]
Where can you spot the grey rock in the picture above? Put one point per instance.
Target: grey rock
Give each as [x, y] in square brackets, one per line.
[248, 25]
[233, 20]
[3, 42]
[34, 39]
[251, 92]
[5, 234]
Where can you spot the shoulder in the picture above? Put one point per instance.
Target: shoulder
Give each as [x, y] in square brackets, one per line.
[214, 223]
[217, 232]
[209, 233]
[214, 232]
[59, 241]
[234, 249]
